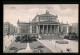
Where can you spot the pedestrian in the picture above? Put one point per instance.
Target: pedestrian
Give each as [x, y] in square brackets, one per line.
[5, 47]
[11, 40]
[68, 49]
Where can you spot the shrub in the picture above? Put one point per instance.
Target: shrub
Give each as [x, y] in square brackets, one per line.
[17, 38]
[40, 47]
[71, 36]
[13, 48]
[68, 49]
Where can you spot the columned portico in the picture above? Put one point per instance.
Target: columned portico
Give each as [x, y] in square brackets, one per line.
[48, 29]
[58, 29]
[43, 24]
[54, 29]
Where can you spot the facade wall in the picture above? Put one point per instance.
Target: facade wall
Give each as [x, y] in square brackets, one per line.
[70, 28]
[47, 19]
[44, 18]
[64, 28]
[23, 28]
[15, 29]
[6, 28]
[30, 28]
[33, 28]
[12, 29]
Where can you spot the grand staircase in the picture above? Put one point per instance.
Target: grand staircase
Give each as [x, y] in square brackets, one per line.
[53, 37]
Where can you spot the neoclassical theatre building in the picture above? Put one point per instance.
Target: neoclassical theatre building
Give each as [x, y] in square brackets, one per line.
[44, 24]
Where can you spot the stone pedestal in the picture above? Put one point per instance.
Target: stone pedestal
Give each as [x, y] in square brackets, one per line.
[27, 50]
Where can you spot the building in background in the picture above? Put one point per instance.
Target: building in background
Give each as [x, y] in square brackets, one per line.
[74, 28]
[15, 29]
[6, 28]
[44, 24]
[9, 29]
[12, 29]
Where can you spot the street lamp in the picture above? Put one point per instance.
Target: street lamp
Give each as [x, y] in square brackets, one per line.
[55, 44]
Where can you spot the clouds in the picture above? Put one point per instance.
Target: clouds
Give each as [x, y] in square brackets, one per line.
[23, 12]
[57, 10]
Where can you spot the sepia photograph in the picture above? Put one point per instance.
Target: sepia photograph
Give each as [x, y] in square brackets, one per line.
[40, 28]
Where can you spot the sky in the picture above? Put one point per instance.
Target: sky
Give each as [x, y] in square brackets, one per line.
[25, 12]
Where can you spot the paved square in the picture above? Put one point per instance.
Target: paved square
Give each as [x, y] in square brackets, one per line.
[57, 48]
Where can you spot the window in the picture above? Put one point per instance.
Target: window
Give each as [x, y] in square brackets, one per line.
[50, 19]
[6, 29]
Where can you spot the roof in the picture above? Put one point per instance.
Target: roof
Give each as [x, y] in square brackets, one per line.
[6, 23]
[46, 15]
[23, 23]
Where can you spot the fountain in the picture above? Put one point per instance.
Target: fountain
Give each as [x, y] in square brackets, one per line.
[27, 50]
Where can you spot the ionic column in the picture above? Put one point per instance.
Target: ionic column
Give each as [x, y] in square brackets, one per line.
[61, 29]
[51, 29]
[54, 28]
[58, 29]
[31, 28]
[39, 29]
[43, 29]
[47, 29]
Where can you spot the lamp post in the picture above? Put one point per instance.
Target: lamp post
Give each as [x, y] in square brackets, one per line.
[55, 44]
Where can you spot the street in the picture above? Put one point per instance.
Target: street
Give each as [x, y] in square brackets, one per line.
[7, 40]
